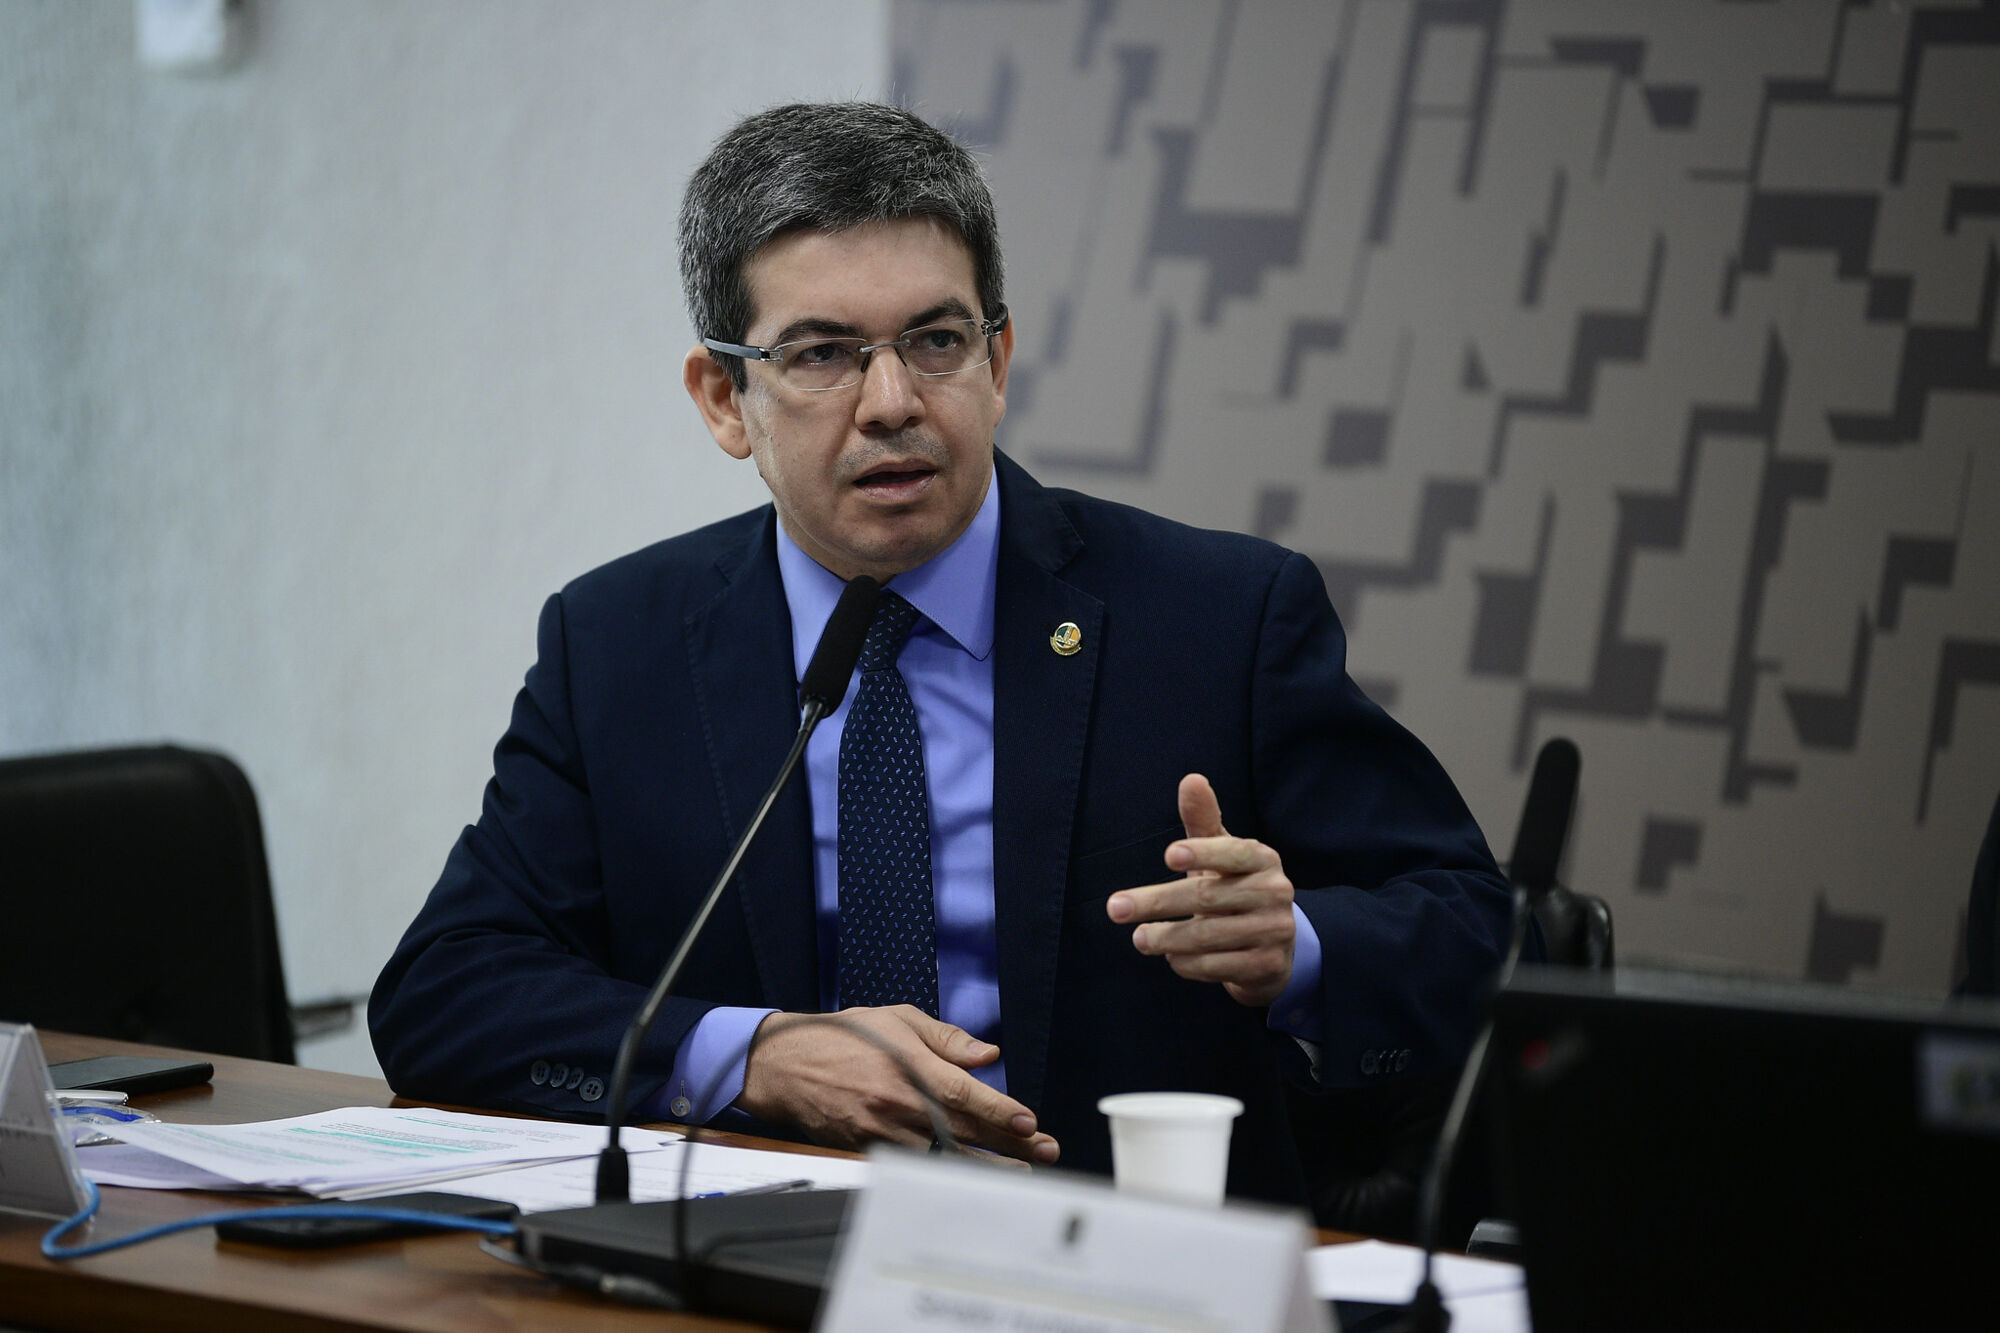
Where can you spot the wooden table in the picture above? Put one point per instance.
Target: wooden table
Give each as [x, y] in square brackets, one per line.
[193, 1281]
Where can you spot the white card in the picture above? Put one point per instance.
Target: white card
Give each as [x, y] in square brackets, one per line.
[38, 1174]
[947, 1245]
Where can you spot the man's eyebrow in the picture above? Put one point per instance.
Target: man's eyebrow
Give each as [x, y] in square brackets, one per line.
[813, 328]
[949, 308]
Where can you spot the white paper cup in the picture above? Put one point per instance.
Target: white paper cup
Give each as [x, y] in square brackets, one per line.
[1173, 1145]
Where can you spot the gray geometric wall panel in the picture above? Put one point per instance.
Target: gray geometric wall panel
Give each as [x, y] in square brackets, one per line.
[1630, 370]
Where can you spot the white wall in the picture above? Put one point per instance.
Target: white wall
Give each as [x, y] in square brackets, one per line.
[318, 376]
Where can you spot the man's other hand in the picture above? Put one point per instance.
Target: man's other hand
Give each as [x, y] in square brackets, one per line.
[845, 1093]
[1229, 919]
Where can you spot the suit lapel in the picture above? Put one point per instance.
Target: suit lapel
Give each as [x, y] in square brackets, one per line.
[740, 653]
[1041, 716]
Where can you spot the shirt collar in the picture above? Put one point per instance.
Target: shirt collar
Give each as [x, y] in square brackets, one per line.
[953, 589]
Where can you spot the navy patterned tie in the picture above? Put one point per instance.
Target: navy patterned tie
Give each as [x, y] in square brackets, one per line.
[888, 924]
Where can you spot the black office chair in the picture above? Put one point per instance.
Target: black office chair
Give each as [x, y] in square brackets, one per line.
[1366, 1149]
[1982, 939]
[137, 903]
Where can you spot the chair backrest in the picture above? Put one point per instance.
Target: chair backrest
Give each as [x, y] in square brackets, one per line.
[1576, 928]
[135, 901]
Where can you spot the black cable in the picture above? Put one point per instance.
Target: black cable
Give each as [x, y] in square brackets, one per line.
[626, 1287]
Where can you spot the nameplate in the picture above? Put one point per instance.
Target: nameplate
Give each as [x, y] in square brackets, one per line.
[953, 1245]
[38, 1173]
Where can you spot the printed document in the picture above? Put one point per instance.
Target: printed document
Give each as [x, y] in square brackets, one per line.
[355, 1148]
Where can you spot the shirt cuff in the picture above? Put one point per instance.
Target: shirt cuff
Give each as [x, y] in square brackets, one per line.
[1298, 1010]
[708, 1070]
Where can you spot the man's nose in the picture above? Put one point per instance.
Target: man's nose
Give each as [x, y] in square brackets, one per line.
[889, 398]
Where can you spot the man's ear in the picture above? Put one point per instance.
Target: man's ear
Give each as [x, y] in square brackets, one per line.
[1003, 356]
[717, 398]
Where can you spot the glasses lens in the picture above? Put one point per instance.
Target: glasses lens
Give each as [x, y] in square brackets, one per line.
[825, 363]
[945, 348]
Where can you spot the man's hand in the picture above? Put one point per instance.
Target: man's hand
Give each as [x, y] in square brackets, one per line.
[845, 1093]
[1235, 898]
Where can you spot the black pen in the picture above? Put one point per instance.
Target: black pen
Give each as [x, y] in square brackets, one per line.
[775, 1187]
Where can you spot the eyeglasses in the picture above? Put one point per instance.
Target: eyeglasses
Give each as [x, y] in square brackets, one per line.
[815, 365]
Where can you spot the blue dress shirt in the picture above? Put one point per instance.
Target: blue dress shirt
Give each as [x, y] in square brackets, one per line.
[948, 668]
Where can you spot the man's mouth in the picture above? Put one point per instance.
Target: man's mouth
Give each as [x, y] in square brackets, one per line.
[896, 481]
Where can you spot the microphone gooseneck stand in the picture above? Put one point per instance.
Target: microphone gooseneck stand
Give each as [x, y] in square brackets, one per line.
[820, 692]
[1538, 845]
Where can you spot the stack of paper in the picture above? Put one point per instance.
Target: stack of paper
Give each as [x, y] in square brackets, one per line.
[351, 1152]
[1483, 1295]
[709, 1169]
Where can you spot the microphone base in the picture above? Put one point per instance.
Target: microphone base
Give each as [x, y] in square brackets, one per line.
[1427, 1312]
[767, 1258]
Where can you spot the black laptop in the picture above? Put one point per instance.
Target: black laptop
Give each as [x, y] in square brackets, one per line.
[1685, 1152]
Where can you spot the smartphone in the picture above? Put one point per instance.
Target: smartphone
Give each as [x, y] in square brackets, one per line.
[129, 1073]
[308, 1232]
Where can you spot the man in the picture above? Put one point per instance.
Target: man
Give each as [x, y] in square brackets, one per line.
[1047, 848]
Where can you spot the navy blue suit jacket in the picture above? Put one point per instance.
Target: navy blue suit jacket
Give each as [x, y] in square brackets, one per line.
[663, 700]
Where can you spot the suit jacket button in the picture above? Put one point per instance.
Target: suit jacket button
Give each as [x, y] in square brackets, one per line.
[557, 1073]
[575, 1077]
[1402, 1061]
[538, 1072]
[1371, 1062]
[592, 1089]
[681, 1107]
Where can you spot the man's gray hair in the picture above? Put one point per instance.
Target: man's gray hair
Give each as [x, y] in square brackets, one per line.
[824, 166]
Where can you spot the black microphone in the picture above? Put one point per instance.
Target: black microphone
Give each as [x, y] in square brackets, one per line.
[820, 692]
[1544, 828]
[1538, 847]
[832, 664]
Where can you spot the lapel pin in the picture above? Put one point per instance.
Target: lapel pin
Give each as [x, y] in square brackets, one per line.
[1066, 640]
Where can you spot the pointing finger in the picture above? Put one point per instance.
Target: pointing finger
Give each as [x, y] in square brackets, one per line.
[1201, 813]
